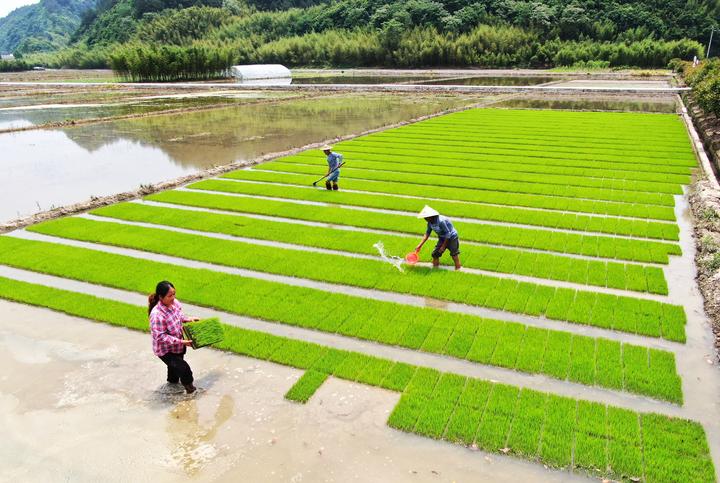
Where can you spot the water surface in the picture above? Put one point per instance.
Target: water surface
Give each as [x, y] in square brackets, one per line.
[55, 167]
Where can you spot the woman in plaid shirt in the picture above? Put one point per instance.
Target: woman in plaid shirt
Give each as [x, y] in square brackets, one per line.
[166, 320]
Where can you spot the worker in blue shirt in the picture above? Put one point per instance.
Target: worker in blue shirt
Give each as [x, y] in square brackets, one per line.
[447, 236]
[334, 160]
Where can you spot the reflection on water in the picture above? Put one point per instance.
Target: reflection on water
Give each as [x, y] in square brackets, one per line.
[191, 440]
[660, 105]
[35, 115]
[357, 79]
[493, 81]
[59, 167]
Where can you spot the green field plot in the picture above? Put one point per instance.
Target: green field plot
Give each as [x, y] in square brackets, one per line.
[461, 183]
[546, 240]
[649, 317]
[541, 265]
[445, 193]
[467, 337]
[455, 168]
[565, 220]
[557, 431]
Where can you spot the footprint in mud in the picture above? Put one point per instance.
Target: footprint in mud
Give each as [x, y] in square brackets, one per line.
[192, 443]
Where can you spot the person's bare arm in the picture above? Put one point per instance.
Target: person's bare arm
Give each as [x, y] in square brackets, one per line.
[425, 238]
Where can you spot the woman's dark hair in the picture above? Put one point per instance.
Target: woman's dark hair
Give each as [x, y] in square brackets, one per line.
[161, 290]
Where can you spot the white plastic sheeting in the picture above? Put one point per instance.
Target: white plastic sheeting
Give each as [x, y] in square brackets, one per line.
[260, 71]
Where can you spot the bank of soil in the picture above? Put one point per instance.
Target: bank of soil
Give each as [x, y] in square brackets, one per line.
[705, 203]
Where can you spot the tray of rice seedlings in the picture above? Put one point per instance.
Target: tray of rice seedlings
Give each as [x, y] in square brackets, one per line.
[203, 332]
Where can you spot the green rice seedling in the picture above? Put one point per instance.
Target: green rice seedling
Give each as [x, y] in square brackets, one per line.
[459, 343]
[557, 436]
[669, 446]
[557, 355]
[423, 382]
[532, 350]
[494, 427]
[591, 453]
[582, 359]
[639, 250]
[398, 377]
[203, 332]
[655, 279]
[624, 443]
[540, 299]
[674, 450]
[351, 367]
[673, 323]
[306, 386]
[415, 336]
[364, 273]
[436, 340]
[484, 344]
[609, 364]
[463, 424]
[526, 429]
[375, 372]
[560, 304]
[635, 278]
[406, 412]
[300, 305]
[508, 346]
[434, 418]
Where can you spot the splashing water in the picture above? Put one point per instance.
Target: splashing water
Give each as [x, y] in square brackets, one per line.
[391, 259]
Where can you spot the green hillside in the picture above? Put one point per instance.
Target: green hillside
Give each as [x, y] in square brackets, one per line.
[143, 39]
[45, 26]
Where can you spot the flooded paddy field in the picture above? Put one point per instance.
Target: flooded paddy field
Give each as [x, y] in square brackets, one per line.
[571, 346]
[112, 157]
[573, 102]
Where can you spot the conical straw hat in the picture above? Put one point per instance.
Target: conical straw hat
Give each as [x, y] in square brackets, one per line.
[327, 147]
[427, 212]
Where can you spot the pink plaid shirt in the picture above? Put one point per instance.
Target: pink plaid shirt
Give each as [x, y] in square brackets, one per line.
[166, 328]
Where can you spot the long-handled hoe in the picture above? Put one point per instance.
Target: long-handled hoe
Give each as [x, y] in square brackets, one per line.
[331, 172]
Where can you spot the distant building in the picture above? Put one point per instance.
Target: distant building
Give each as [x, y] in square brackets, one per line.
[7, 57]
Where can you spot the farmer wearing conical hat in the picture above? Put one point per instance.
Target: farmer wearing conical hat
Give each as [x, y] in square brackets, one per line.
[334, 161]
[447, 236]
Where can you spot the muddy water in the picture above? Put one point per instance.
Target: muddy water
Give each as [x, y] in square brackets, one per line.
[661, 105]
[493, 81]
[57, 167]
[39, 114]
[88, 403]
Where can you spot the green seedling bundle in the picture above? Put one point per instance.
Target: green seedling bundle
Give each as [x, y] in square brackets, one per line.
[648, 317]
[203, 333]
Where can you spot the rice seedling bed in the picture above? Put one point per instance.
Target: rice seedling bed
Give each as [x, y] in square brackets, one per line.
[554, 430]
[491, 170]
[477, 197]
[569, 221]
[533, 264]
[513, 162]
[456, 144]
[588, 245]
[502, 185]
[505, 139]
[431, 330]
[649, 317]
